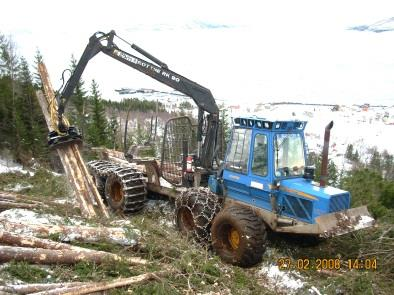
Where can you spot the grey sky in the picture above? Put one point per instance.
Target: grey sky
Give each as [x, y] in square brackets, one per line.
[244, 51]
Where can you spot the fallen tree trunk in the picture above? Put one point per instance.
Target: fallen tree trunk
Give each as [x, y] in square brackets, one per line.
[68, 233]
[11, 204]
[11, 196]
[46, 256]
[11, 239]
[32, 242]
[31, 288]
[95, 287]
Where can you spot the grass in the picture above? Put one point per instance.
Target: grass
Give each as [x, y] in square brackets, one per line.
[43, 182]
[26, 272]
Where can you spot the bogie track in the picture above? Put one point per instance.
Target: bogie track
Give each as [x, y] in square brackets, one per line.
[122, 188]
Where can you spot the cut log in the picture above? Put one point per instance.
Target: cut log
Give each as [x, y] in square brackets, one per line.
[8, 238]
[45, 256]
[10, 196]
[86, 209]
[9, 205]
[76, 171]
[31, 288]
[11, 239]
[87, 234]
[95, 287]
[19, 198]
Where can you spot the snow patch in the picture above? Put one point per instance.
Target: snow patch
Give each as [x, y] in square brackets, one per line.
[28, 216]
[164, 209]
[314, 290]
[18, 187]
[289, 281]
[365, 221]
[12, 167]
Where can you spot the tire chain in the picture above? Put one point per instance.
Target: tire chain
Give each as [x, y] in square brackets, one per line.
[132, 182]
[204, 205]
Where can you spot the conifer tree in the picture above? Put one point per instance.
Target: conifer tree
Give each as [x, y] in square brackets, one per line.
[33, 129]
[375, 162]
[9, 66]
[38, 58]
[98, 125]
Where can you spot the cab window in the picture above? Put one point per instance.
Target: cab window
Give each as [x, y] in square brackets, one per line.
[260, 152]
[238, 156]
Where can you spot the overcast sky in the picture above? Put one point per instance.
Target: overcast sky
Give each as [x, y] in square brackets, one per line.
[244, 51]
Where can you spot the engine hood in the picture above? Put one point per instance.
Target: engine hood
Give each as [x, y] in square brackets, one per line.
[306, 200]
[309, 189]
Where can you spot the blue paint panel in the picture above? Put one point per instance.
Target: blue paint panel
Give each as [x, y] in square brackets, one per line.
[339, 202]
[297, 207]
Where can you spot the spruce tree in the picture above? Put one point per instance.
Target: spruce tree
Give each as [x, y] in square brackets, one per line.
[98, 125]
[9, 67]
[388, 165]
[349, 152]
[33, 129]
[375, 162]
[6, 107]
[38, 58]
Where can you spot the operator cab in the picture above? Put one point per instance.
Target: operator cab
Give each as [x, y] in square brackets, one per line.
[261, 155]
[271, 149]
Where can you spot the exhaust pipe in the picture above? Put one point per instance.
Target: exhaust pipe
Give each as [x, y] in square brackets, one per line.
[324, 161]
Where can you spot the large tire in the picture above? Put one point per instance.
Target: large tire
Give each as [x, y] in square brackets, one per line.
[194, 212]
[122, 188]
[99, 170]
[239, 236]
[125, 190]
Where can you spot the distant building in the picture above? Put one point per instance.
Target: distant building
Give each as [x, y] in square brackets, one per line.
[365, 107]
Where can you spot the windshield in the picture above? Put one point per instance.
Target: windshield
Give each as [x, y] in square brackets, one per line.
[289, 155]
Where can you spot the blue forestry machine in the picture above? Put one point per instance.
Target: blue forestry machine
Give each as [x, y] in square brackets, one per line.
[263, 182]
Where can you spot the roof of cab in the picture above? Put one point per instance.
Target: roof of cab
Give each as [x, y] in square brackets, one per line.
[261, 123]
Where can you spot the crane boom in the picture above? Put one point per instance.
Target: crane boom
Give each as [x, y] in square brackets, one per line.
[156, 69]
[202, 96]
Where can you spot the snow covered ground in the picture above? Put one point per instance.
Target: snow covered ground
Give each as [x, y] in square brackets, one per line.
[8, 166]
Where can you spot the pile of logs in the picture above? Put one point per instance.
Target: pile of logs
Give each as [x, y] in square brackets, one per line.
[84, 188]
[20, 247]
[37, 249]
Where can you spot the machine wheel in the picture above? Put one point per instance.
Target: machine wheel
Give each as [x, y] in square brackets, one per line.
[195, 210]
[125, 190]
[239, 236]
[99, 170]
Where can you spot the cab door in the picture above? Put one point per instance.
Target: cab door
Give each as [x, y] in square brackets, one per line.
[235, 173]
[259, 175]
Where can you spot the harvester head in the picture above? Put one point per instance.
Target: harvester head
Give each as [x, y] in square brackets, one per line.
[58, 139]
